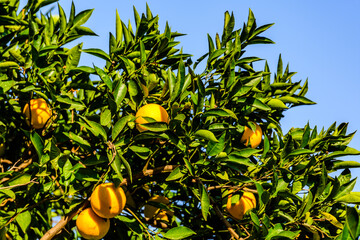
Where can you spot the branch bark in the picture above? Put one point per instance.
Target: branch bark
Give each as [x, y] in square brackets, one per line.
[226, 223]
[62, 223]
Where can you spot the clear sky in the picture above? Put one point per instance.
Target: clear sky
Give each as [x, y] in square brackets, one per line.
[319, 39]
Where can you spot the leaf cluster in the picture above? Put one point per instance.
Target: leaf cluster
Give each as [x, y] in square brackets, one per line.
[193, 161]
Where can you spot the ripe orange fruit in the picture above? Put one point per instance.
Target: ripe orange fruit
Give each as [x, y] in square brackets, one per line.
[155, 213]
[39, 113]
[151, 110]
[107, 201]
[91, 226]
[253, 137]
[246, 202]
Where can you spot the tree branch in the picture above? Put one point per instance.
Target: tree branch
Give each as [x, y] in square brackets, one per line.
[149, 172]
[223, 219]
[65, 220]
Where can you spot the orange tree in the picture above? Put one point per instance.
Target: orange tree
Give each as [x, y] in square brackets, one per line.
[193, 159]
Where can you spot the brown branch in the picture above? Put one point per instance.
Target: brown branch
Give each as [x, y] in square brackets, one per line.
[221, 216]
[6, 161]
[223, 219]
[19, 185]
[149, 172]
[64, 221]
[22, 166]
[67, 218]
[232, 187]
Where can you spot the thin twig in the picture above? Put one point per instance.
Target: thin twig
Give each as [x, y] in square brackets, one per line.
[141, 223]
[19, 185]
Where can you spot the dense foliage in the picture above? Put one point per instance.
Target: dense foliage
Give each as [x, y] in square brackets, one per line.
[49, 173]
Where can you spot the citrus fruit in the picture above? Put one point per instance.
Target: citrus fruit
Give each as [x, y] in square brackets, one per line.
[151, 110]
[91, 226]
[152, 212]
[39, 112]
[107, 201]
[246, 202]
[253, 137]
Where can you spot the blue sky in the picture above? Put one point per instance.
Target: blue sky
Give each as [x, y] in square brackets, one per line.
[319, 39]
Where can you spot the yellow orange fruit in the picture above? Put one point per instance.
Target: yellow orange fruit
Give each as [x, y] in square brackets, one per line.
[253, 137]
[152, 212]
[107, 201]
[91, 226]
[151, 110]
[39, 112]
[238, 210]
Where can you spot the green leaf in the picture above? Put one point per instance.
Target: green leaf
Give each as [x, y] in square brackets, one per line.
[98, 53]
[115, 164]
[104, 77]
[119, 32]
[215, 148]
[155, 126]
[119, 92]
[205, 134]
[276, 103]
[345, 164]
[353, 198]
[38, 143]
[86, 174]
[95, 128]
[142, 152]
[352, 221]
[179, 233]
[82, 17]
[73, 58]
[142, 53]
[332, 219]
[246, 152]
[175, 174]
[6, 86]
[205, 202]
[24, 220]
[189, 167]
[347, 151]
[20, 179]
[74, 104]
[105, 117]
[119, 126]
[78, 139]
[9, 64]
[127, 165]
[220, 113]
[299, 152]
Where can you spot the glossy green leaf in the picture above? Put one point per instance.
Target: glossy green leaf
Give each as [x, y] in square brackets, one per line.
[205, 202]
[352, 222]
[175, 174]
[98, 53]
[105, 117]
[104, 77]
[24, 220]
[353, 198]
[205, 134]
[276, 103]
[179, 233]
[119, 126]
[38, 143]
